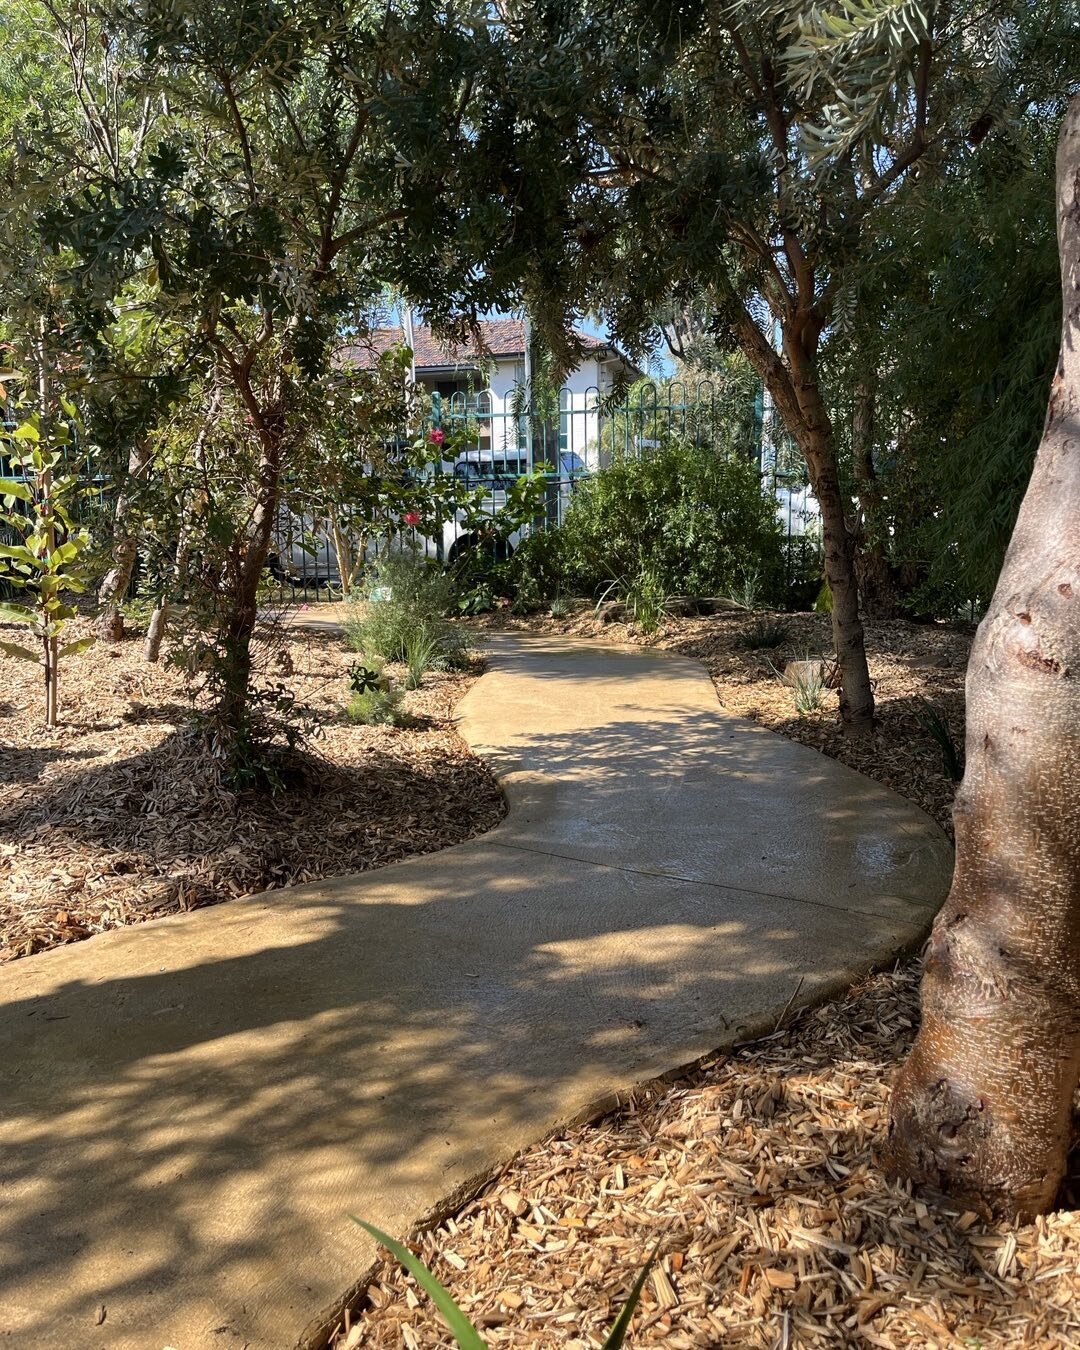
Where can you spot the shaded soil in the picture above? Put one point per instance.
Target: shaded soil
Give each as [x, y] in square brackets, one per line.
[113, 818]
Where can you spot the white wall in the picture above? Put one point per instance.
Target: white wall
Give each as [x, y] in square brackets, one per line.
[579, 397]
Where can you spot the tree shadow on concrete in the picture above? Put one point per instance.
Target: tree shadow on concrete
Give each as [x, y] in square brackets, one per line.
[191, 1108]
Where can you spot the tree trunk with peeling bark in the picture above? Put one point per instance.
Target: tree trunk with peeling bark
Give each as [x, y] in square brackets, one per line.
[983, 1106]
[793, 383]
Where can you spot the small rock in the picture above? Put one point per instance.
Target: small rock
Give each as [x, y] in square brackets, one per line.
[99, 1315]
[798, 673]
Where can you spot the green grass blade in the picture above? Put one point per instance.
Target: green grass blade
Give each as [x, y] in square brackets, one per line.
[622, 1323]
[464, 1332]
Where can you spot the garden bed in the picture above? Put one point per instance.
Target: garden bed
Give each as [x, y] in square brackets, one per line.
[909, 663]
[759, 1176]
[113, 818]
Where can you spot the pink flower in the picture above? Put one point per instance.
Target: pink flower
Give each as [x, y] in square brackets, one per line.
[412, 517]
[437, 436]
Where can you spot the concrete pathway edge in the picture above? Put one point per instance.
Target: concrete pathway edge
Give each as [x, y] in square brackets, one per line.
[190, 1109]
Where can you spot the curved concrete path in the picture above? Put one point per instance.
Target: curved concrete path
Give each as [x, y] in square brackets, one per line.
[189, 1109]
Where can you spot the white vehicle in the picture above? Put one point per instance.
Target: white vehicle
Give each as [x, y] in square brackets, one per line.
[302, 554]
[495, 473]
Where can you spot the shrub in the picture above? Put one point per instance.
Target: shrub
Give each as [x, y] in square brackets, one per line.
[764, 633]
[689, 519]
[538, 564]
[402, 596]
[375, 707]
[374, 701]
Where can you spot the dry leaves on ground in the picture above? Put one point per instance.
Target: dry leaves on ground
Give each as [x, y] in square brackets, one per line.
[909, 662]
[777, 1229]
[112, 818]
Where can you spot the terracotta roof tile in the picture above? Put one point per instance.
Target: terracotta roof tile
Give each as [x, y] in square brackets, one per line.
[501, 337]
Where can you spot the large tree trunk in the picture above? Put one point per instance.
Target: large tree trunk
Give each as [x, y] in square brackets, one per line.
[117, 579]
[982, 1108]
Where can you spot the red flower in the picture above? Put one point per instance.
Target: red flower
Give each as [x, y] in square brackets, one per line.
[437, 436]
[412, 517]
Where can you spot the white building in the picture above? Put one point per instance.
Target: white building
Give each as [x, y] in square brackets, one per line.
[490, 385]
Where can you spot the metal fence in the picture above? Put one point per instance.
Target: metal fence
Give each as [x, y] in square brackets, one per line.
[567, 436]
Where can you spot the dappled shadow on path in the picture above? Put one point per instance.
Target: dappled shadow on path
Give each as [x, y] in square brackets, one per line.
[191, 1109]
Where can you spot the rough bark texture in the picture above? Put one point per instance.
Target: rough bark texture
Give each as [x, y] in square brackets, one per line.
[982, 1108]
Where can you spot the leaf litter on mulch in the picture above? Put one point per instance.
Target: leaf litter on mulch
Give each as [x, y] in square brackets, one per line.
[759, 1174]
[113, 818]
[760, 1169]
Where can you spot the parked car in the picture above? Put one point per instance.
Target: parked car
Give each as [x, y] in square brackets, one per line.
[495, 473]
[302, 553]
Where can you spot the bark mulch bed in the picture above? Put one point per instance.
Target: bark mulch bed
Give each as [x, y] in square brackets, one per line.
[909, 663]
[112, 818]
[758, 1173]
[758, 1176]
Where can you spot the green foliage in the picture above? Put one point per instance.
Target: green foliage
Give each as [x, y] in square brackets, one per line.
[804, 570]
[424, 647]
[675, 520]
[538, 564]
[375, 707]
[562, 606]
[936, 725]
[766, 632]
[466, 1335]
[645, 597]
[403, 596]
[44, 554]
[374, 700]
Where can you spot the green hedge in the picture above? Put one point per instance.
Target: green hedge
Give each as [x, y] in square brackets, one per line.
[692, 521]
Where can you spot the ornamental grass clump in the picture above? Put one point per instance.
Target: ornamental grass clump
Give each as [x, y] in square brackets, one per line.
[401, 615]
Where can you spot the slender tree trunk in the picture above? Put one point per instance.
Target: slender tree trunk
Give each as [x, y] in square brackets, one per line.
[240, 613]
[814, 433]
[876, 585]
[51, 653]
[117, 579]
[982, 1107]
[797, 396]
[159, 619]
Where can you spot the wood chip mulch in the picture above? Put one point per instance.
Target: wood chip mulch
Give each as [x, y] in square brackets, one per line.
[757, 1174]
[112, 819]
[909, 662]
